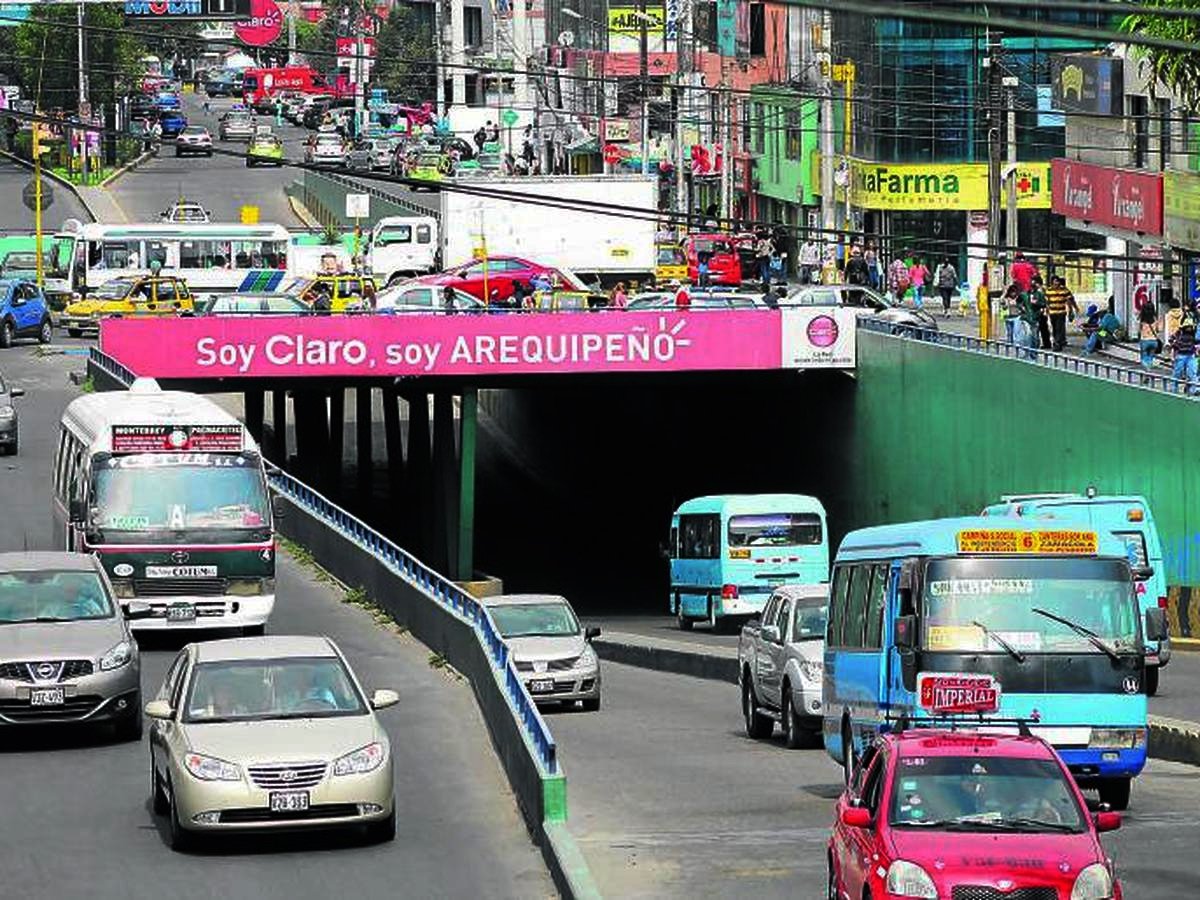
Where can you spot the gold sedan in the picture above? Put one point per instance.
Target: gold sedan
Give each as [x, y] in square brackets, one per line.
[269, 733]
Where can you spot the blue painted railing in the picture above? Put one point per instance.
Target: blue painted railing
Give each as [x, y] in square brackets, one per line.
[437, 589]
[1063, 362]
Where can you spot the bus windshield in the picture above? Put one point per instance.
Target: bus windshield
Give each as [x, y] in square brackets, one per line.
[981, 604]
[774, 530]
[179, 491]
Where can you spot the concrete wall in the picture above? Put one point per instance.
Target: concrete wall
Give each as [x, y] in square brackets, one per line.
[941, 432]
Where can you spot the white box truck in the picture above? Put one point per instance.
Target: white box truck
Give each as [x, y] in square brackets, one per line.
[594, 244]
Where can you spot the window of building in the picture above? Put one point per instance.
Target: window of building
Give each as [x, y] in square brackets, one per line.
[758, 112]
[1164, 133]
[758, 29]
[795, 134]
[473, 26]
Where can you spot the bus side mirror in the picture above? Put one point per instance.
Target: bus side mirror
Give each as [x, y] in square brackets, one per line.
[906, 632]
[1143, 573]
[78, 511]
[1156, 624]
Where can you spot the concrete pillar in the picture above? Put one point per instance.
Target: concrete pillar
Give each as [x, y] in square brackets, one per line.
[254, 404]
[418, 477]
[312, 434]
[364, 438]
[279, 450]
[468, 420]
[394, 448]
[445, 485]
[335, 461]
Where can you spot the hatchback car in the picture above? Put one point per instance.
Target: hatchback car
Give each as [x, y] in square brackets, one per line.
[66, 652]
[549, 648]
[172, 123]
[162, 295]
[195, 139]
[425, 298]
[268, 733]
[265, 149]
[937, 813]
[863, 301]
[236, 125]
[325, 149]
[366, 155]
[10, 426]
[252, 304]
[23, 313]
[185, 212]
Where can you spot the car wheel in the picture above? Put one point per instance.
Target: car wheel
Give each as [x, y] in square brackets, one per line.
[74, 332]
[383, 831]
[6, 334]
[181, 838]
[793, 737]
[758, 726]
[46, 334]
[831, 890]
[684, 622]
[178, 153]
[1152, 680]
[1115, 792]
[848, 760]
[158, 797]
[591, 705]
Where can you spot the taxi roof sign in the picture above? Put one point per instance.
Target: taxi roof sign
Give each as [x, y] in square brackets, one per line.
[952, 693]
[1058, 542]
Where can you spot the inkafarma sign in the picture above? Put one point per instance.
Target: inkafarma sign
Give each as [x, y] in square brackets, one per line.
[924, 186]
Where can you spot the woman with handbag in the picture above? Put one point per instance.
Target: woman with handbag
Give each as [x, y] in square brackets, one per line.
[1148, 340]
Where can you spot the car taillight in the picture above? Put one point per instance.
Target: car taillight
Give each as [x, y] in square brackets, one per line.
[1162, 602]
[729, 592]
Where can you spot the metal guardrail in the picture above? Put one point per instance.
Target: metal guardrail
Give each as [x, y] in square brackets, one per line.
[439, 590]
[1062, 362]
[359, 187]
[103, 361]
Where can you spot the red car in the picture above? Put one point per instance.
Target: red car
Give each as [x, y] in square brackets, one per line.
[945, 815]
[502, 273]
[724, 261]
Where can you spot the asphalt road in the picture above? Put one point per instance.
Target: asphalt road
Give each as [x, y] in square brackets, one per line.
[79, 821]
[14, 215]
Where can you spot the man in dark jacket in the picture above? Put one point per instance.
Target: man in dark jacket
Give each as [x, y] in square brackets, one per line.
[856, 268]
[1183, 344]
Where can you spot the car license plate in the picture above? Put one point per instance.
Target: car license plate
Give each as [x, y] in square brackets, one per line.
[181, 571]
[181, 612]
[46, 697]
[289, 801]
[541, 686]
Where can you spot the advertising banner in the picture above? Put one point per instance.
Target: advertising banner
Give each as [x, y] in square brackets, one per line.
[1086, 83]
[181, 10]
[925, 186]
[1120, 198]
[1181, 209]
[625, 28]
[818, 338]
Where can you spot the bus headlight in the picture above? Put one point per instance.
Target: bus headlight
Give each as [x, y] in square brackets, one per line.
[123, 588]
[1093, 883]
[1117, 738]
[250, 587]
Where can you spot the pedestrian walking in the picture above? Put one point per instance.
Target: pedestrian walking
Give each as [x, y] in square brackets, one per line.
[763, 251]
[702, 269]
[918, 276]
[809, 260]
[856, 267]
[946, 281]
[1012, 315]
[898, 280]
[481, 137]
[1149, 342]
[1183, 344]
[1037, 299]
[871, 258]
[1060, 303]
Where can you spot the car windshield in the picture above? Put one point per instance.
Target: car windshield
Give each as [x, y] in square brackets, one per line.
[178, 491]
[117, 289]
[810, 620]
[774, 530]
[977, 605]
[534, 620]
[983, 793]
[259, 689]
[52, 596]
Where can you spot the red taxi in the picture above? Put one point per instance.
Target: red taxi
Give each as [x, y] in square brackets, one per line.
[724, 261]
[958, 815]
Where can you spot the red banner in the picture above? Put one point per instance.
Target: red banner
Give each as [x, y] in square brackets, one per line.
[1120, 198]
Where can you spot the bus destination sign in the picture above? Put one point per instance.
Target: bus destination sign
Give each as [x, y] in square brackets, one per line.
[1060, 542]
[176, 438]
[948, 693]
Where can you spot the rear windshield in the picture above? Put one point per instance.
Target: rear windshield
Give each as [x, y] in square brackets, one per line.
[774, 530]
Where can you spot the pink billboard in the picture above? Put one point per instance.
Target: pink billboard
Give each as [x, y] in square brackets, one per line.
[510, 344]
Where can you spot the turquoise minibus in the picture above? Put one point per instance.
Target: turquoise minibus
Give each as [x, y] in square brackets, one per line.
[1129, 520]
[1038, 619]
[729, 552]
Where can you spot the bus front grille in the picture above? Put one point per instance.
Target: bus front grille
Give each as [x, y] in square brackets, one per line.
[179, 587]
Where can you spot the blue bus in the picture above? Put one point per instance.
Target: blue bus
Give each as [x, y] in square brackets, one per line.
[1128, 518]
[1047, 615]
[729, 552]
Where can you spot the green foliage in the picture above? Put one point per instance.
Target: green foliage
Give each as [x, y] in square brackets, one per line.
[403, 38]
[1178, 70]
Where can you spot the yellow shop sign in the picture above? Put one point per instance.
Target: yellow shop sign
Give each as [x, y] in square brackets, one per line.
[942, 186]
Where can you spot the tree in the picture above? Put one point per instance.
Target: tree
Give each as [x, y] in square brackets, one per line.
[403, 48]
[1177, 69]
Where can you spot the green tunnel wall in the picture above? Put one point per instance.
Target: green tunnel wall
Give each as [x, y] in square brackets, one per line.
[941, 432]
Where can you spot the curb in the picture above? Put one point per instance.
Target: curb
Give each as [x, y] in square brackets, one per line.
[132, 164]
[47, 173]
[568, 868]
[1187, 645]
[301, 212]
[1175, 740]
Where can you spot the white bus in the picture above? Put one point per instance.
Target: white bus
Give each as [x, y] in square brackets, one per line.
[210, 257]
[170, 491]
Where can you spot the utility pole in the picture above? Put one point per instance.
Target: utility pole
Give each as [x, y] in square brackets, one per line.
[520, 46]
[825, 58]
[995, 153]
[683, 68]
[644, 82]
[724, 117]
[1011, 237]
[360, 87]
[439, 54]
[82, 101]
[293, 10]
[458, 77]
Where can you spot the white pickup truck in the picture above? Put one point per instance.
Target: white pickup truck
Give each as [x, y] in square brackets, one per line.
[780, 665]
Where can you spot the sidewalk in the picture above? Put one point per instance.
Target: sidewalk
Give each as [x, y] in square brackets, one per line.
[101, 204]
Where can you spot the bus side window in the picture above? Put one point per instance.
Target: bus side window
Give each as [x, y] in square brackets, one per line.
[876, 603]
[837, 605]
[673, 545]
[856, 606]
[60, 460]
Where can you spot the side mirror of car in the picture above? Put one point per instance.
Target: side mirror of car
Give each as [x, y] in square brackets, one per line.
[78, 511]
[382, 699]
[1143, 573]
[1156, 624]
[770, 633]
[158, 709]
[136, 609]
[856, 817]
[16, 392]
[591, 632]
[1107, 821]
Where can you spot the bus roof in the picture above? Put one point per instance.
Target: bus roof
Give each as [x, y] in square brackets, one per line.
[752, 503]
[93, 415]
[939, 537]
[94, 231]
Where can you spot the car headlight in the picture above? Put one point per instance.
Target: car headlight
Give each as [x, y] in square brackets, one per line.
[118, 656]
[905, 879]
[209, 768]
[7, 412]
[1094, 883]
[588, 659]
[812, 669]
[364, 759]
[1117, 738]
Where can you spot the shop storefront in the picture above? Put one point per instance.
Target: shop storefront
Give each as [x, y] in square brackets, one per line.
[1126, 206]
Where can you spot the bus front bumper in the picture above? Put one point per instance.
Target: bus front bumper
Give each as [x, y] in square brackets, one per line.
[175, 613]
[1088, 764]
